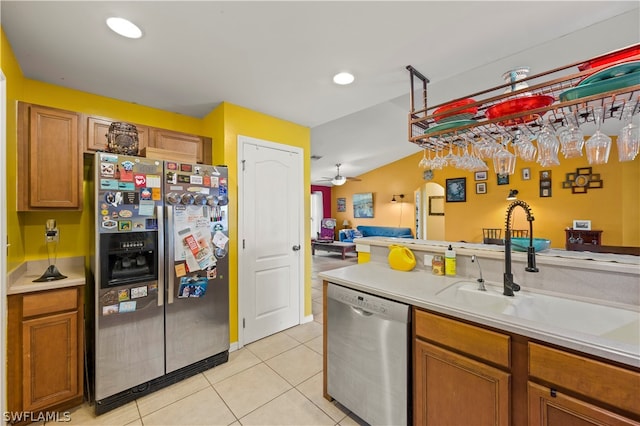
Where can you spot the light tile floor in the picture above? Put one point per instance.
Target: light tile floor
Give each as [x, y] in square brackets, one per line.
[274, 381]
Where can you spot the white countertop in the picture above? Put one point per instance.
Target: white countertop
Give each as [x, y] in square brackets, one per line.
[418, 288]
[609, 261]
[20, 280]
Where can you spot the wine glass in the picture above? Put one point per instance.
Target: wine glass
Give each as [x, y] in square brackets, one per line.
[547, 146]
[629, 138]
[598, 145]
[504, 162]
[571, 138]
[424, 163]
[523, 145]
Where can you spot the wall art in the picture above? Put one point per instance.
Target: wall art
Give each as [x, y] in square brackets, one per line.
[363, 205]
[456, 190]
[481, 188]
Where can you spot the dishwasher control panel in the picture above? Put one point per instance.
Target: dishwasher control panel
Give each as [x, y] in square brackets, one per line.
[364, 301]
[367, 302]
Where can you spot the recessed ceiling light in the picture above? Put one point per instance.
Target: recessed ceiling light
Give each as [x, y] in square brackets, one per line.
[124, 27]
[343, 78]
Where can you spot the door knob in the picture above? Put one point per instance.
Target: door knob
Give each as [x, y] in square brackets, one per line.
[296, 247]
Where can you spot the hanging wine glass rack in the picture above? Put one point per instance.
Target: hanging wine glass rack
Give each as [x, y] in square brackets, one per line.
[551, 83]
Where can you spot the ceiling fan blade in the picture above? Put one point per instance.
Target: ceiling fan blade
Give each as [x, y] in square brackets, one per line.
[354, 179]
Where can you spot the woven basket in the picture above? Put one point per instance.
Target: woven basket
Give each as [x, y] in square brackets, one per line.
[122, 139]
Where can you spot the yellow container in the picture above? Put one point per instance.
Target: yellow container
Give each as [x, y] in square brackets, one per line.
[401, 258]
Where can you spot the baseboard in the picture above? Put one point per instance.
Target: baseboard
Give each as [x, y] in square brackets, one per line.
[308, 318]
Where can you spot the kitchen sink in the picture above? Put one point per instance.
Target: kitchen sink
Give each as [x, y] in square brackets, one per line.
[584, 317]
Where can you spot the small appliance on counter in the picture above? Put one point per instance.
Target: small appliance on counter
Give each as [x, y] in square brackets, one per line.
[51, 238]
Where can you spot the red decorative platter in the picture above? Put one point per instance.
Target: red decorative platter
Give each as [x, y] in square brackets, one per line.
[461, 114]
[620, 55]
[516, 106]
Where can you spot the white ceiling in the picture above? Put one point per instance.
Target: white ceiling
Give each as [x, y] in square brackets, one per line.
[278, 58]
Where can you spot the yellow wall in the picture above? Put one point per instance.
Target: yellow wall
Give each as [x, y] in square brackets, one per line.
[15, 87]
[25, 229]
[613, 209]
[241, 121]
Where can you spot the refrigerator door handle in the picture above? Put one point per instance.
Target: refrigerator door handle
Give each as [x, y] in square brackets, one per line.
[170, 273]
[161, 248]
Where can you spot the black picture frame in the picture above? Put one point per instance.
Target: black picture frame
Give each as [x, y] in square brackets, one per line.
[456, 190]
[503, 179]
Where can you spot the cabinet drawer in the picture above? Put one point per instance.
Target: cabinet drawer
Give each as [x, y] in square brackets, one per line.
[49, 302]
[610, 384]
[476, 341]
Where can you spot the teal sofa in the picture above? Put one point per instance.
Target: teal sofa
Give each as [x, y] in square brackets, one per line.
[347, 235]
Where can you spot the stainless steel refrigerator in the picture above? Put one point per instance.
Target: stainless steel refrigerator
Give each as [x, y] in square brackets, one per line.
[161, 290]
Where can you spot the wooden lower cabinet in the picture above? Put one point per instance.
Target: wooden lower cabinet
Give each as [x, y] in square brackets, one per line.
[45, 350]
[462, 373]
[549, 407]
[451, 389]
[467, 374]
[577, 389]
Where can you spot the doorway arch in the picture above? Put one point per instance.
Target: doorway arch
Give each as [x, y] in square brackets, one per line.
[430, 218]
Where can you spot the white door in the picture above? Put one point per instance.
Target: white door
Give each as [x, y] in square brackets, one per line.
[271, 236]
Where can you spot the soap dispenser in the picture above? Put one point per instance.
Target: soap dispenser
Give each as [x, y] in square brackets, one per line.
[450, 261]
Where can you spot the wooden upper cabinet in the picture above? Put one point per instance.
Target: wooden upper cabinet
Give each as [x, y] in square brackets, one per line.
[182, 142]
[197, 146]
[49, 158]
[97, 129]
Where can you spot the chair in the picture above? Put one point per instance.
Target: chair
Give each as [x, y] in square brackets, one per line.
[492, 236]
[520, 233]
[327, 230]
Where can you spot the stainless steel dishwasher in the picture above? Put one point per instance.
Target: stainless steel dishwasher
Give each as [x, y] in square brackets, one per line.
[368, 355]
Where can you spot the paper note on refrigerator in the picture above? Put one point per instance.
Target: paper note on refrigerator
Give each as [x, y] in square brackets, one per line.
[219, 239]
[198, 252]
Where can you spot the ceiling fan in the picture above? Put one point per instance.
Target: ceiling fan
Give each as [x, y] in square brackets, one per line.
[339, 179]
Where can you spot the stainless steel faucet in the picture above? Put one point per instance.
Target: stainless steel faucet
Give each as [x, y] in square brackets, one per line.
[509, 285]
[480, 280]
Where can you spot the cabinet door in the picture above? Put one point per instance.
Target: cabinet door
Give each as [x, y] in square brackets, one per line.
[97, 129]
[450, 389]
[50, 360]
[50, 169]
[547, 408]
[181, 142]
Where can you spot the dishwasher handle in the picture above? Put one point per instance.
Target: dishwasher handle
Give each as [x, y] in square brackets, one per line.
[361, 311]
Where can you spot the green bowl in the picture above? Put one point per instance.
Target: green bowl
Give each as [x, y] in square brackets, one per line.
[521, 244]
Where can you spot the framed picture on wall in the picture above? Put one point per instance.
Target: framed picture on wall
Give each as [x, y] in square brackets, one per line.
[481, 188]
[482, 175]
[456, 190]
[363, 205]
[582, 225]
[436, 205]
[342, 205]
[503, 179]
